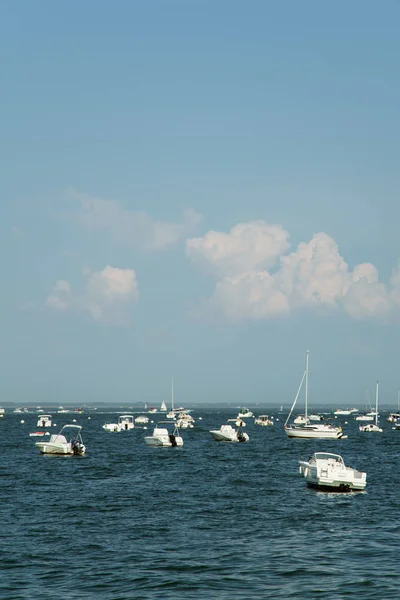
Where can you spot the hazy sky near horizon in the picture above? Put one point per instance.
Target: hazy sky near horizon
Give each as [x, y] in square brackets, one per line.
[203, 189]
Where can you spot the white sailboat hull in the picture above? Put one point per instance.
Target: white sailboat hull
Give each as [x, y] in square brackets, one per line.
[314, 432]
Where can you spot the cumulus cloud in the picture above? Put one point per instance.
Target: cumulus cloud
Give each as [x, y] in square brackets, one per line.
[106, 294]
[258, 280]
[131, 228]
[245, 247]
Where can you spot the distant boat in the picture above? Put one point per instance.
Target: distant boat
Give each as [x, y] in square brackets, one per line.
[306, 429]
[163, 407]
[373, 427]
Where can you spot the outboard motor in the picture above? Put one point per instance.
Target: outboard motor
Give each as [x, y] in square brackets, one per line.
[172, 439]
[78, 448]
[241, 437]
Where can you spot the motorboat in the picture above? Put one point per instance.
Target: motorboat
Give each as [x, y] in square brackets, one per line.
[244, 413]
[2, 412]
[364, 417]
[162, 437]
[315, 417]
[67, 442]
[227, 433]
[301, 420]
[44, 421]
[327, 471]
[263, 420]
[141, 420]
[184, 420]
[373, 427]
[39, 433]
[124, 423]
[393, 417]
[307, 429]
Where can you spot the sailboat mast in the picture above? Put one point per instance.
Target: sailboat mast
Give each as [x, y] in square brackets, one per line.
[398, 401]
[172, 394]
[376, 404]
[306, 402]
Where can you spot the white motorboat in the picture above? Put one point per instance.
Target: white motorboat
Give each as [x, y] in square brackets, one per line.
[44, 421]
[2, 412]
[227, 433]
[124, 423]
[141, 420]
[68, 441]
[327, 471]
[263, 420]
[244, 413]
[307, 429]
[39, 433]
[301, 420]
[373, 427]
[315, 417]
[363, 418]
[342, 412]
[184, 420]
[162, 437]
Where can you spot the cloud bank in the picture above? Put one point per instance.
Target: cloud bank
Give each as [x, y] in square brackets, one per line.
[257, 279]
[131, 228]
[107, 293]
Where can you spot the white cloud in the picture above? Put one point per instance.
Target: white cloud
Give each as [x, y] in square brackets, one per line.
[106, 293]
[315, 276]
[129, 227]
[245, 247]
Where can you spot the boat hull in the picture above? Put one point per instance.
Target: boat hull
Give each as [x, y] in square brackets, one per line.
[163, 442]
[46, 448]
[335, 433]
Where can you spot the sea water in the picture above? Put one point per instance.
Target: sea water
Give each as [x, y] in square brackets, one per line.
[209, 520]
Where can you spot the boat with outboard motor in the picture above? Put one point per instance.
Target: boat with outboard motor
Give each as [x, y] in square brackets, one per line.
[162, 437]
[60, 444]
[44, 421]
[327, 471]
[227, 433]
[125, 422]
[263, 420]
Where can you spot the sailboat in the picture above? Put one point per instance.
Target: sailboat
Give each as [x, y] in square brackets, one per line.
[163, 407]
[306, 429]
[394, 417]
[373, 426]
[171, 414]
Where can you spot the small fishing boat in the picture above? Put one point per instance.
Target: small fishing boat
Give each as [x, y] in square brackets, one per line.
[263, 420]
[162, 437]
[227, 433]
[327, 471]
[244, 413]
[44, 421]
[125, 422]
[60, 444]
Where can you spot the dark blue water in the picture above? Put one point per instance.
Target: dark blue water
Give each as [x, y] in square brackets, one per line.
[209, 520]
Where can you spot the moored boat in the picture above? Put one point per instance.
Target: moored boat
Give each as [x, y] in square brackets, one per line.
[327, 471]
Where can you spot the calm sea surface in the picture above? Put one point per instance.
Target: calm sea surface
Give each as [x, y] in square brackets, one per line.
[209, 520]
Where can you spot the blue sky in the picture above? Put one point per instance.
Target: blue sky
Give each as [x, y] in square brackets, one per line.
[202, 189]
